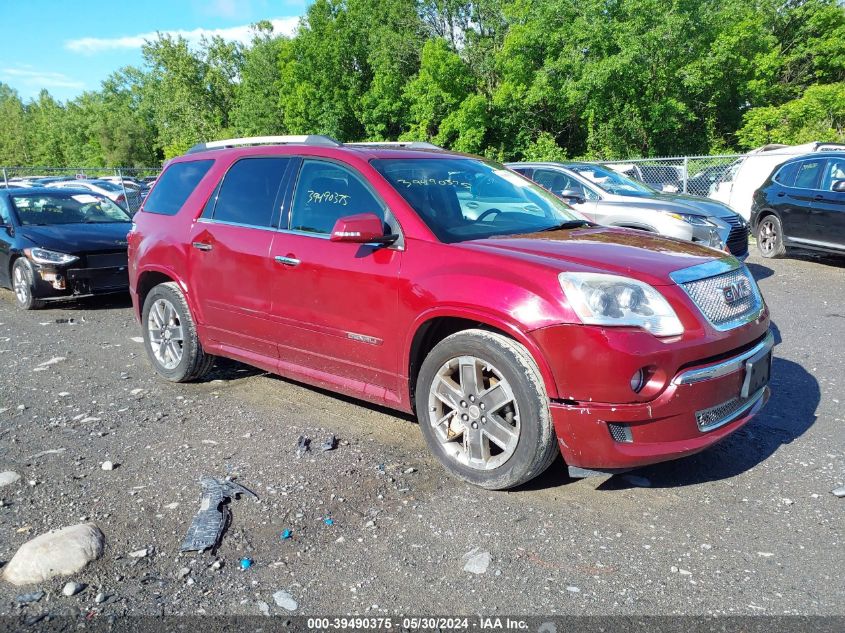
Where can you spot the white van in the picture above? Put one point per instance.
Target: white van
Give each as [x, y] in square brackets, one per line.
[745, 175]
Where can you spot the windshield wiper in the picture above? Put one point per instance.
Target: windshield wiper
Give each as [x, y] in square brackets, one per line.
[569, 224]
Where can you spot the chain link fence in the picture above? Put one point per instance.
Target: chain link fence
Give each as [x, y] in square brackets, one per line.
[696, 175]
[127, 186]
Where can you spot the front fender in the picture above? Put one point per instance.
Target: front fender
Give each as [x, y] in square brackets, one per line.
[492, 319]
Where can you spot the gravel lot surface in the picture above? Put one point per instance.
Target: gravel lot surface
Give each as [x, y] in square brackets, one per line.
[748, 527]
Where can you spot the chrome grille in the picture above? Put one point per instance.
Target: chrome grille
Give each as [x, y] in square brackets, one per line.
[709, 295]
[721, 414]
[738, 237]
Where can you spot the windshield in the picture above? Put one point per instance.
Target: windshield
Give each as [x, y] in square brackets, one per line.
[611, 181]
[466, 199]
[78, 208]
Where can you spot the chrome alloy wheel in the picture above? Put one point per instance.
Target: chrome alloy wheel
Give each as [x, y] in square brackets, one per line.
[474, 413]
[767, 236]
[166, 334]
[21, 285]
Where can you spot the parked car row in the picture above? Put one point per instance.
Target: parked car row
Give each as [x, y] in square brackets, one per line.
[513, 325]
[609, 198]
[128, 193]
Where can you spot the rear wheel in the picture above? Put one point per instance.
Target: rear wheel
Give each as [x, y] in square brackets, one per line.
[23, 283]
[770, 237]
[484, 411]
[170, 336]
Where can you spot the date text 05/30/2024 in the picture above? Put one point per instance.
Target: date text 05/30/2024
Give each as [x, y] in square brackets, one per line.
[417, 623]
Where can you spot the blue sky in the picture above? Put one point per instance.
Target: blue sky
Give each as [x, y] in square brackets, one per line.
[71, 47]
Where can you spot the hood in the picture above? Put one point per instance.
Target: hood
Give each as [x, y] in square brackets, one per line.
[636, 254]
[78, 238]
[676, 203]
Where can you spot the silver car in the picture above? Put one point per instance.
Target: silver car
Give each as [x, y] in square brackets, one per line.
[607, 197]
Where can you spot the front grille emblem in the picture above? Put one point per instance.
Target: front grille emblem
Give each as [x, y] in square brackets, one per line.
[736, 291]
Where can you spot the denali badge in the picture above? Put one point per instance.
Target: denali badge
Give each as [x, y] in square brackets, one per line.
[737, 291]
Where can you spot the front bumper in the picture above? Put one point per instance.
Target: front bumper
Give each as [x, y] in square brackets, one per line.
[699, 405]
[60, 283]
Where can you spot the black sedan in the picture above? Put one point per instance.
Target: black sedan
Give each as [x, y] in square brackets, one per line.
[802, 204]
[61, 243]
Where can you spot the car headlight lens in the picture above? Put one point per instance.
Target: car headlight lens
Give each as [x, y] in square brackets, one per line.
[600, 299]
[695, 220]
[44, 256]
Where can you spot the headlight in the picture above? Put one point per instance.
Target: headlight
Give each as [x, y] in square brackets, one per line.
[695, 220]
[619, 301]
[43, 256]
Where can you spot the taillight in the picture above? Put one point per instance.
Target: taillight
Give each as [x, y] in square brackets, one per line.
[120, 198]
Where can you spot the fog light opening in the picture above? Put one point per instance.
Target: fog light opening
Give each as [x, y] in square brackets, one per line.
[638, 380]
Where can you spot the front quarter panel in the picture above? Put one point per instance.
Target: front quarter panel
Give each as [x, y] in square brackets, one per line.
[442, 280]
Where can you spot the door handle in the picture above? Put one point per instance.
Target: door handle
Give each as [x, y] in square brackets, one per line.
[819, 197]
[202, 246]
[781, 194]
[287, 261]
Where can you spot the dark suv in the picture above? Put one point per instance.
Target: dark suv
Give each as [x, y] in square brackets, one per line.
[802, 204]
[450, 286]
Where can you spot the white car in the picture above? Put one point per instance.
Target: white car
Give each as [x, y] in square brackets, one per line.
[130, 200]
[738, 184]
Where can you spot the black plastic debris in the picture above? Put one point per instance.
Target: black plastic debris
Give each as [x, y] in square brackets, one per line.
[303, 445]
[214, 515]
[26, 598]
[329, 444]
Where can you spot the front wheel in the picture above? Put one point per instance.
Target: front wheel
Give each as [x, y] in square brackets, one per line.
[484, 411]
[23, 283]
[170, 336]
[770, 237]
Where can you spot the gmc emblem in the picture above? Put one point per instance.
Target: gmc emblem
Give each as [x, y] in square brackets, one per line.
[736, 292]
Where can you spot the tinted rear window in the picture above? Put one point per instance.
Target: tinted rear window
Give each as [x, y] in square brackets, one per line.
[786, 175]
[175, 185]
[249, 191]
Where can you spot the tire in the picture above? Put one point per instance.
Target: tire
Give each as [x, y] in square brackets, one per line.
[459, 423]
[769, 235]
[23, 284]
[170, 336]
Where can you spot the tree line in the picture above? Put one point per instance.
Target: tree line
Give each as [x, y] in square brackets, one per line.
[509, 79]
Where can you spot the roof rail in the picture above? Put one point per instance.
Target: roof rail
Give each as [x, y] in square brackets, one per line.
[399, 144]
[304, 139]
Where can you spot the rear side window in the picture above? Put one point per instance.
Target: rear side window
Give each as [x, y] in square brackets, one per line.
[808, 174]
[834, 172]
[175, 185]
[786, 174]
[249, 190]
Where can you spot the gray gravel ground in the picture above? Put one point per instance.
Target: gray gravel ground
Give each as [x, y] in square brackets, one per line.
[748, 527]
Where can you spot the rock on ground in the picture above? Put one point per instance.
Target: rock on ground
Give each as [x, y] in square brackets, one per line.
[72, 588]
[8, 477]
[476, 561]
[56, 553]
[285, 600]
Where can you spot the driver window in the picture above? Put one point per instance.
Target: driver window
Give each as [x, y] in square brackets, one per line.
[557, 182]
[326, 192]
[5, 217]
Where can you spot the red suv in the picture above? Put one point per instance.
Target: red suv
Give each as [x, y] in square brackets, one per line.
[450, 286]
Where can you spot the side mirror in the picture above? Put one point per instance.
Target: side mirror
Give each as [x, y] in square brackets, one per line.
[573, 196]
[363, 228]
[838, 186]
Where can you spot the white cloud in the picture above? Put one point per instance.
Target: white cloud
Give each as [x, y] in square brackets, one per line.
[92, 45]
[40, 78]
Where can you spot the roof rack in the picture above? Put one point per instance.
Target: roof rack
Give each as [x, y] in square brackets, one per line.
[304, 139]
[399, 144]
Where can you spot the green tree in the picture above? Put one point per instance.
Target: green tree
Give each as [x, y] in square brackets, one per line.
[256, 110]
[13, 146]
[817, 115]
